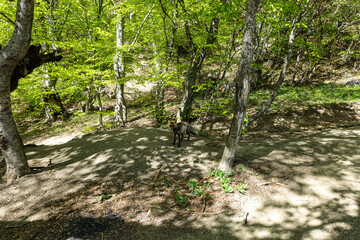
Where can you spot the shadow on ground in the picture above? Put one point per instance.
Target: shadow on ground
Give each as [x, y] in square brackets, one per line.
[321, 170]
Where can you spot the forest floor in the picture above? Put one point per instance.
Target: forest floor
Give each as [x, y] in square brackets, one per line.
[302, 172]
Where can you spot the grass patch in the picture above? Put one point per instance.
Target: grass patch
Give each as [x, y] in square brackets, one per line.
[296, 97]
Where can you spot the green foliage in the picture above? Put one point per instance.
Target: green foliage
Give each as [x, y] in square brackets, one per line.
[166, 182]
[220, 108]
[224, 179]
[241, 188]
[104, 197]
[196, 188]
[242, 167]
[179, 198]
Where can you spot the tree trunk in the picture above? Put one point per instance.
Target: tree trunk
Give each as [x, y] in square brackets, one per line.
[119, 67]
[242, 81]
[195, 67]
[53, 106]
[280, 80]
[98, 98]
[120, 105]
[190, 80]
[51, 99]
[10, 141]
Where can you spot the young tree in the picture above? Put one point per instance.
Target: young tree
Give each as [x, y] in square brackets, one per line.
[10, 141]
[242, 84]
[120, 66]
[54, 109]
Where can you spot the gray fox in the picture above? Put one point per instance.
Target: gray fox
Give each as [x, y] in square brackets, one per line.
[180, 129]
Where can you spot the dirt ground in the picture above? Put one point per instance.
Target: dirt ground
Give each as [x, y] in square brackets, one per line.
[302, 171]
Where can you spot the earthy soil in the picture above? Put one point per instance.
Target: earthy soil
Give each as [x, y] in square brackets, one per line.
[302, 170]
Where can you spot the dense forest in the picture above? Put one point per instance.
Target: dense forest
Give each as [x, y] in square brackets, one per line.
[249, 66]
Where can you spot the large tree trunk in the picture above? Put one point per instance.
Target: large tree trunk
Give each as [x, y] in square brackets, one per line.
[242, 81]
[10, 141]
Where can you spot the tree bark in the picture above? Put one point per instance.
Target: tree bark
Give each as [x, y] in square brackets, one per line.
[242, 81]
[195, 67]
[10, 141]
[119, 67]
[32, 60]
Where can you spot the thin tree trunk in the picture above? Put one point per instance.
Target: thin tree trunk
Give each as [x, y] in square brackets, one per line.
[52, 103]
[242, 81]
[11, 144]
[280, 80]
[195, 67]
[119, 67]
[98, 98]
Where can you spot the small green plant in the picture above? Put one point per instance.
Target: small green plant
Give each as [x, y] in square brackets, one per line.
[104, 197]
[195, 189]
[179, 198]
[242, 167]
[166, 182]
[241, 188]
[267, 172]
[224, 179]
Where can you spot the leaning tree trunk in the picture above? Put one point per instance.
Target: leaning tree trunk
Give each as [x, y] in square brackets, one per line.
[280, 80]
[10, 141]
[242, 81]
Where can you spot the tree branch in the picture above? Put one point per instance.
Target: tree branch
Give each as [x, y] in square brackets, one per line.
[142, 23]
[7, 18]
[32, 60]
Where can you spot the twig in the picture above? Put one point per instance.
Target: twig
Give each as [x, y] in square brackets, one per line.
[273, 183]
[201, 213]
[61, 228]
[204, 207]
[204, 179]
[156, 175]
[7, 18]
[246, 218]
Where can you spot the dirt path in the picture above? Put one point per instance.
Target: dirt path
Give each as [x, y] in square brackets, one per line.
[318, 196]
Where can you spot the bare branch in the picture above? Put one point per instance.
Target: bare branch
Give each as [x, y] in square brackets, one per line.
[7, 18]
[142, 23]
